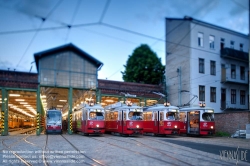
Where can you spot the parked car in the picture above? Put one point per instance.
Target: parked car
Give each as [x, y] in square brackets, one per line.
[239, 134]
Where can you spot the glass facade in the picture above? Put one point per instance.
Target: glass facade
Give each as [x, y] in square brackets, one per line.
[67, 69]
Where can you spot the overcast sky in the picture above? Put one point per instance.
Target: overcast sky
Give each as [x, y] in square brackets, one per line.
[108, 30]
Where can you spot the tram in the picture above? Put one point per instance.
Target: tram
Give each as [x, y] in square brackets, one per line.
[15, 122]
[28, 123]
[161, 119]
[197, 120]
[53, 121]
[124, 119]
[89, 119]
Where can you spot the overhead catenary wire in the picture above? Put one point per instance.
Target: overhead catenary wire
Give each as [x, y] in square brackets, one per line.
[104, 10]
[109, 25]
[33, 38]
[78, 4]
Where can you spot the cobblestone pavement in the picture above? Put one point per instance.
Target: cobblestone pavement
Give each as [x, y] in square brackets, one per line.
[113, 150]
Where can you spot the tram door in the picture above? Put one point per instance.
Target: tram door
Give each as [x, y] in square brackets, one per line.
[193, 121]
[122, 121]
[156, 122]
[188, 123]
[161, 122]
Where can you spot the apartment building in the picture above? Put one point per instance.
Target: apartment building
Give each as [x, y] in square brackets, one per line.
[206, 63]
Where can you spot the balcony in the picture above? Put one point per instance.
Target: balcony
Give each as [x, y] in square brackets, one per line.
[226, 77]
[226, 105]
[234, 54]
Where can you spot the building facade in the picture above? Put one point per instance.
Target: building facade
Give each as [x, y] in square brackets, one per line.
[206, 63]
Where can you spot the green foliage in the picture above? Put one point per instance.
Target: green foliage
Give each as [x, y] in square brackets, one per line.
[222, 134]
[143, 66]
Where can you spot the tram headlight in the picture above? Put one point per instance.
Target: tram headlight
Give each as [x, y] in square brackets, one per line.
[175, 126]
[137, 126]
[212, 127]
[97, 125]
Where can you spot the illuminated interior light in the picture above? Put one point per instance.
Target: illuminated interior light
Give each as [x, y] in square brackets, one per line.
[19, 99]
[59, 105]
[212, 127]
[65, 114]
[63, 100]
[109, 101]
[97, 125]
[24, 103]
[137, 126]
[14, 95]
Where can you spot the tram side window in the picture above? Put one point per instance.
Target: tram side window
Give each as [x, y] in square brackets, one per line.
[107, 115]
[182, 116]
[124, 116]
[161, 116]
[112, 116]
[208, 117]
[147, 116]
[115, 115]
[155, 116]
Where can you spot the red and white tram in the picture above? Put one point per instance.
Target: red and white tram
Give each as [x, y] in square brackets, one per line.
[197, 120]
[161, 119]
[89, 119]
[124, 119]
[53, 122]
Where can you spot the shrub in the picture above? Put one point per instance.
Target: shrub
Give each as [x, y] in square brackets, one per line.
[222, 134]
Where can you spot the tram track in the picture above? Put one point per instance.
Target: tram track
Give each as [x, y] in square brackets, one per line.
[163, 153]
[22, 159]
[183, 149]
[138, 153]
[92, 159]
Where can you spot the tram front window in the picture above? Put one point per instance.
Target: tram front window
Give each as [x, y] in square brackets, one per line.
[54, 116]
[96, 116]
[208, 117]
[135, 115]
[172, 116]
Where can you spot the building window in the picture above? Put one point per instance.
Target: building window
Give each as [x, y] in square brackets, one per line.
[241, 47]
[222, 43]
[211, 42]
[200, 39]
[201, 93]
[242, 97]
[212, 67]
[233, 96]
[232, 44]
[201, 66]
[213, 94]
[233, 71]
[242, 73]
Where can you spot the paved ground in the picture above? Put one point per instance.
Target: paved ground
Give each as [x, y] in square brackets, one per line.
[115, 150]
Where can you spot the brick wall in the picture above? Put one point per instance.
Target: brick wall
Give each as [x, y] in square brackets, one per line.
[14, 79]
[231, 121]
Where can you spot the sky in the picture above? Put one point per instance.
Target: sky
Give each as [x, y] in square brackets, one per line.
[109, 30]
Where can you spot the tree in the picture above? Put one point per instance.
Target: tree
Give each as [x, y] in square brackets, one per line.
[143, 66]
